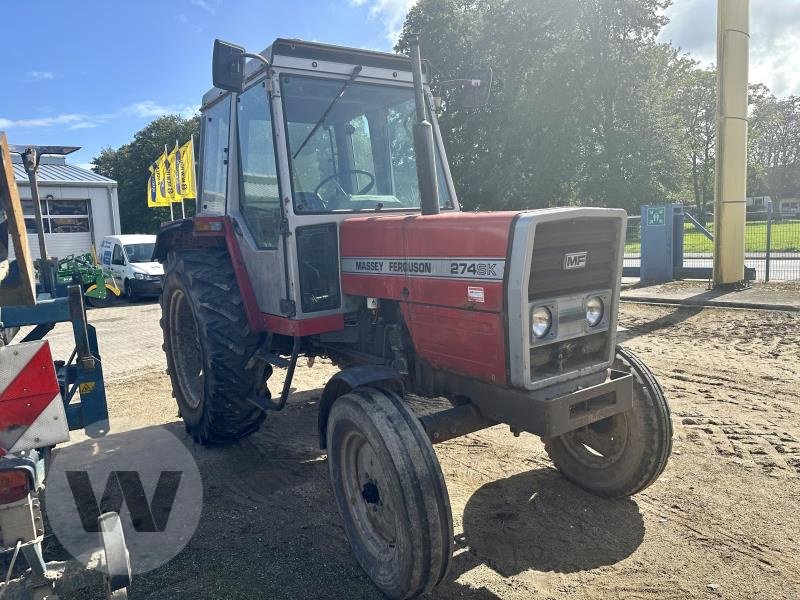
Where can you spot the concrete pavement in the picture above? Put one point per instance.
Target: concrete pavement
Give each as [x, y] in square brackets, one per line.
[772, 296]
[128, 335]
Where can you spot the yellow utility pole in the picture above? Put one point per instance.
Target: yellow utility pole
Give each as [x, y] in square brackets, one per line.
[733, 40]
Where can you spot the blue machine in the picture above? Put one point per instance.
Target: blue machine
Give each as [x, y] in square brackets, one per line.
[81, 376]
[662, 242]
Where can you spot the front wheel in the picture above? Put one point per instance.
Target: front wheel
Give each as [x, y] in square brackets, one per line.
[390, 491]
[130, 293]
[623, 454]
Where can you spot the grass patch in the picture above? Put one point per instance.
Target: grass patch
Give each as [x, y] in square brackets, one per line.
[785, 238]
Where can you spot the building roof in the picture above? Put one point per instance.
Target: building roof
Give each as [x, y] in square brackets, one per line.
[61, 174]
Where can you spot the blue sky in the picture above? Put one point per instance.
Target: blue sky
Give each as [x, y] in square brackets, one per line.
[91, 73]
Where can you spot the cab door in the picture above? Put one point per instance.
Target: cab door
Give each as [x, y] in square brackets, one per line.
[256, 195]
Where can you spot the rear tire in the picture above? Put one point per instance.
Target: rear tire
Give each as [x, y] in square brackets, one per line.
[622, 454]
[390, 491]
[109, 300]
[209, 346]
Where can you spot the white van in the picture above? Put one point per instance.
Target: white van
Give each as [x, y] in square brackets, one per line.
[128, 259]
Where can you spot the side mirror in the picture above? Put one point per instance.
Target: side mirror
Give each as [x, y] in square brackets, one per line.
[477, 88]
[228, 66]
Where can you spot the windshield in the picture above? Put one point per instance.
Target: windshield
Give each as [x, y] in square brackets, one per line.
[139, 253]
[351, 146]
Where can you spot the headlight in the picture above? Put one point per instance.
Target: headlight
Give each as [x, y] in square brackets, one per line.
[541, 321]
[594, 310]
[140, 276]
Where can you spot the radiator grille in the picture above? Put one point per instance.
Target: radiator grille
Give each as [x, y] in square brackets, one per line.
[598, 237]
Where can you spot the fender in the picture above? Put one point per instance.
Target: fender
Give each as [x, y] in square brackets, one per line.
[349, 379]
[168, 235]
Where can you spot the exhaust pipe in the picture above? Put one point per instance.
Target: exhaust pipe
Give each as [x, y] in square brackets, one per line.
[423, 139]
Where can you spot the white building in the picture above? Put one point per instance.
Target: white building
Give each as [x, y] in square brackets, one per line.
[784, 206]
[79, 207]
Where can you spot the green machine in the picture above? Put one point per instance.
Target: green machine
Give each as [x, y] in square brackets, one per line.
[83, 270]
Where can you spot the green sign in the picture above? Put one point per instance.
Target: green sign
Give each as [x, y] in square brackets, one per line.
[656, 215]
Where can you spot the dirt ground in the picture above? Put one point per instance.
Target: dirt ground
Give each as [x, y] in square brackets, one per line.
[722, 521]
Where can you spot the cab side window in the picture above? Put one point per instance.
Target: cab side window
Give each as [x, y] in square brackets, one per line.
[259, 196]
[214, 177]
[117, 258]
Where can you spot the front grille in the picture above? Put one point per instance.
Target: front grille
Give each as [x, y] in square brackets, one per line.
[568, 356]
[598, 237]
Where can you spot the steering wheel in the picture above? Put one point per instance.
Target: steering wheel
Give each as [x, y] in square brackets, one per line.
[336, 176]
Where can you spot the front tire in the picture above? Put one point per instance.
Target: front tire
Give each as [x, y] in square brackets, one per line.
[390, 491]
[209, 346]
[622, 454]
[130, 293]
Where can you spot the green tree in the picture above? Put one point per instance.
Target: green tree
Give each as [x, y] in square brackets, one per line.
[774, 148]
[128, 166]
[579, 113]
[694, 100]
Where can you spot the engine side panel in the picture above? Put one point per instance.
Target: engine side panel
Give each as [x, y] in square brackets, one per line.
[468, 342]
[447, 271]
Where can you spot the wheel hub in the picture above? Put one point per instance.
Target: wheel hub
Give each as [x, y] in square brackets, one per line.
[599, 444]
[372, 513]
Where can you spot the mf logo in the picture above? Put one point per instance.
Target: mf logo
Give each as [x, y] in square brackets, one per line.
[575, 260]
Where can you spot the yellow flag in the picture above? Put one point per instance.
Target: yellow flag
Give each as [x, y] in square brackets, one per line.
[169, 177]
[160, 173]
[154, 200]
[185, 186]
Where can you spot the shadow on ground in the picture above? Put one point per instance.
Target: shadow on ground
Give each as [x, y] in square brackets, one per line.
[538, 520]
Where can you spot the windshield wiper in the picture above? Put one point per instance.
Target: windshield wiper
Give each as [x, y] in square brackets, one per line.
[324, 116]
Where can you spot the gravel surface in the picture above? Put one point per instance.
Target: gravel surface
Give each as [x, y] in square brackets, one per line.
[721, 522]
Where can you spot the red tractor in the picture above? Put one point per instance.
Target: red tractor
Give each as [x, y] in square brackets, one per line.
[328, 225]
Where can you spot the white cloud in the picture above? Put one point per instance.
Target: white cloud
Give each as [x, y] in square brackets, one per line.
[39, 76]
[87, 166]
[391, 13]
[149, 109]
[204, 5]
[774, 39]
[69, 121]
[146, 109]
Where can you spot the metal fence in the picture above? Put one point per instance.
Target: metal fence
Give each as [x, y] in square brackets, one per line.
[633, 243]
[772, 244]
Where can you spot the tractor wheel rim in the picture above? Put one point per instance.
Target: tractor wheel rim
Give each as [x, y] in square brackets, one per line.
[187, 353]
[599, 444]
[367, 497]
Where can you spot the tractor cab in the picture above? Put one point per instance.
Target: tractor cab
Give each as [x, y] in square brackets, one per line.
[320, 135]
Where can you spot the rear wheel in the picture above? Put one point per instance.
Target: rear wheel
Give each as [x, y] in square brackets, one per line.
[622, 454]
[390, 491]
[209, 346]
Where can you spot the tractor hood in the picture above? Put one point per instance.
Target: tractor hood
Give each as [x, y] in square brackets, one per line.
[450, 259]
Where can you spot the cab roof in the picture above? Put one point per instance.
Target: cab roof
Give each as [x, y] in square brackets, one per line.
[317, 57]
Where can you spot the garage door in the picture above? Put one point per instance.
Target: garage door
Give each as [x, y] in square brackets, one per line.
[67, 226]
